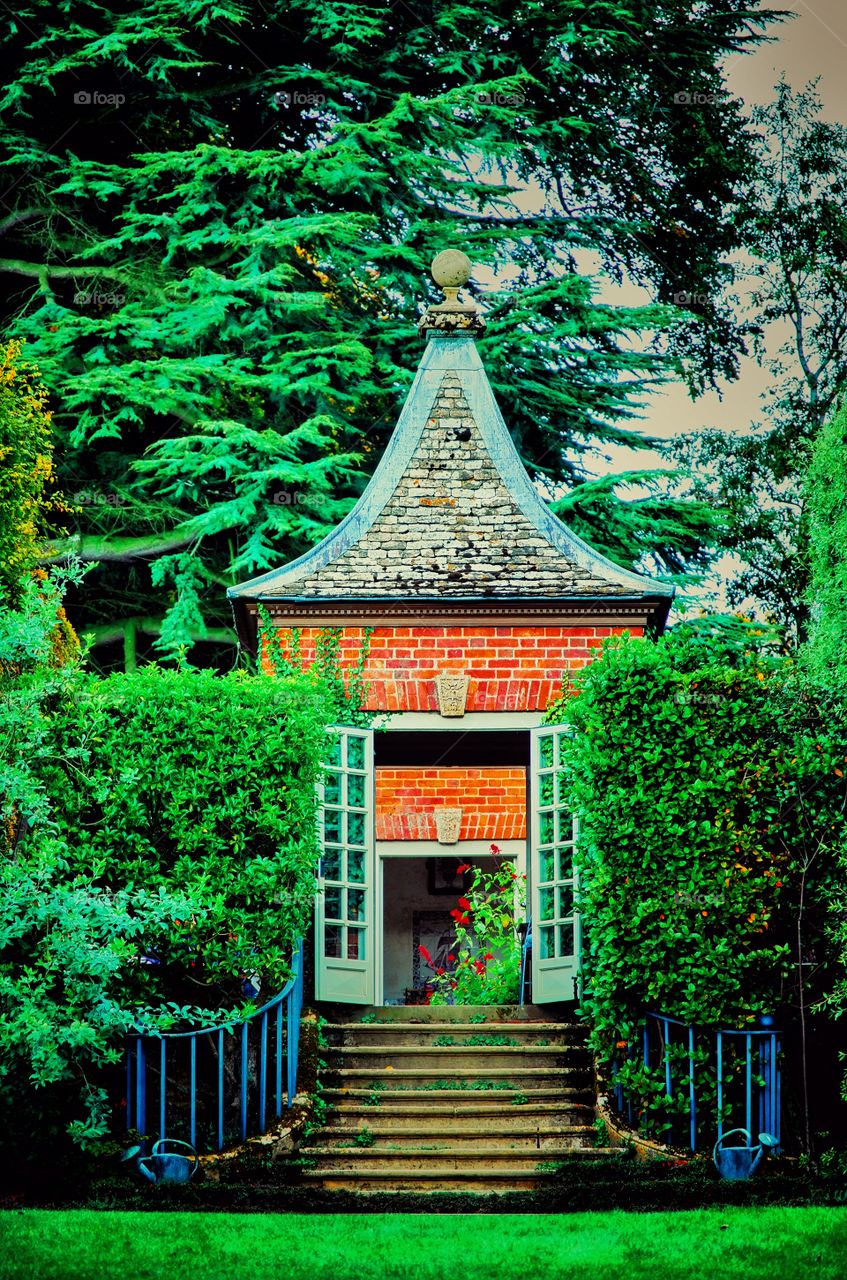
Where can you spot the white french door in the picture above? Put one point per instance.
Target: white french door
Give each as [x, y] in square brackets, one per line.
[552, 875]
[345, 923]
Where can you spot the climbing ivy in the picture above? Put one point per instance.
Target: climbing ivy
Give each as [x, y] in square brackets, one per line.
[344, 682]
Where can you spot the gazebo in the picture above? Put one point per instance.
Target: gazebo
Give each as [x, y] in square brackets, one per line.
[479, 602]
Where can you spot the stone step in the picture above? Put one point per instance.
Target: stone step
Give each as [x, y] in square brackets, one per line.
[388, 1182]
[483, 1014]
[491, 1178]
[451, 1060]
[459, 1138]
[421, 1119]
[518, 1076]
[426, 1099]
[533, 1106]
[521, 1033]
[407, 1157]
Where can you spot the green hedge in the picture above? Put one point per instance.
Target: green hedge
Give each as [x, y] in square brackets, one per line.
[162, 815]
[710, 789]
[826, 493]
[204, 784]
[826, 653]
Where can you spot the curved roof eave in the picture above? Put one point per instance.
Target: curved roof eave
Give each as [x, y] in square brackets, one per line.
[446, 353]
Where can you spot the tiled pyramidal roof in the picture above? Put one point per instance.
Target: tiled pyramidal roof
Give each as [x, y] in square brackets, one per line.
[451, 527]
[450, 510]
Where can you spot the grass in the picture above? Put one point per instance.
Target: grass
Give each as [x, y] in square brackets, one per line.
[728, 1243]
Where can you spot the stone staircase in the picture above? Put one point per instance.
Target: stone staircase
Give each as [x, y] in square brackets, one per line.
[424, 1099]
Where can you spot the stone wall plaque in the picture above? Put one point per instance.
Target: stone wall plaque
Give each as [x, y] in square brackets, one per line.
[448, 823]
[452, 693]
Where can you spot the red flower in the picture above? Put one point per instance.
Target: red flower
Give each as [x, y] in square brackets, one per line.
[464, 904]
[452, 959]
[488, 956]
[479, 966]
[495, 848]
[440, 972]
[460, 917]
[462, 868]
[423, 951]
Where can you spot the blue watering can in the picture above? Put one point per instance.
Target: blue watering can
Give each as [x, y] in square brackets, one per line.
[165, 1166]
[736, 1164]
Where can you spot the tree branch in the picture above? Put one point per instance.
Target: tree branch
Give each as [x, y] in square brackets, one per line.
[88, 548]
[111, 632]
[22, 215]
[41, 270]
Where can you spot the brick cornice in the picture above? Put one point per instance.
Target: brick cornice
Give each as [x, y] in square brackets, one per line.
[612, 611]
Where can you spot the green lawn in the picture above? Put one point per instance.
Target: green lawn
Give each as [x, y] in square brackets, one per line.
[772, 1243]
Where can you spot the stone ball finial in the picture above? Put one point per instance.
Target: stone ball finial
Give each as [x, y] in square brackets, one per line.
[451, 269]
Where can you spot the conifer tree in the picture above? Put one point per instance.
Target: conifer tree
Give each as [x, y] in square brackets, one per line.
[218, 225]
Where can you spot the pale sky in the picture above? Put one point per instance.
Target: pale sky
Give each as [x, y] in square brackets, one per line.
[810, 45]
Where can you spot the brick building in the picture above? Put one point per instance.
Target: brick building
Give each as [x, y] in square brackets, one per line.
[478, 601]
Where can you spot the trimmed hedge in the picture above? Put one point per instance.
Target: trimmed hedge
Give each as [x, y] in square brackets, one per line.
[710, 787]
[826, 496]
[161, 840]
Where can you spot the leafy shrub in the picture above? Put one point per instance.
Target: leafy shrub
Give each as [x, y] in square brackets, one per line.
[160, 845]
[164, 779]
[711, 796]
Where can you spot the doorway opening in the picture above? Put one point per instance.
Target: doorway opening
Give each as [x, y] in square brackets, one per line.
[418, 894]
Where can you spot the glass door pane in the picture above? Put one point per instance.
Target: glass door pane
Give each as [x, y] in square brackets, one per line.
[344, 917]
[555, 922]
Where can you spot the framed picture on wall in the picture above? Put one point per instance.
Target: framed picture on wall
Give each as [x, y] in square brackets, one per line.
[442, 878]
[435, 930]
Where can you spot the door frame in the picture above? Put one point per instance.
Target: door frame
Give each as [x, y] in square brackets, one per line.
[517, 722]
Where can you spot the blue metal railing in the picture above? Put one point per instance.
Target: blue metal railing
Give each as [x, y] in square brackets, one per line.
[768, 1050]
[178, 1094]
[756, 1088]
[526, 964]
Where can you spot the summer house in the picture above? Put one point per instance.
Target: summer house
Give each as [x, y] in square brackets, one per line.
[478, 600]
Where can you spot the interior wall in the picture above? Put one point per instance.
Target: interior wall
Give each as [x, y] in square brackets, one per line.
[405, 891]
[482, 748]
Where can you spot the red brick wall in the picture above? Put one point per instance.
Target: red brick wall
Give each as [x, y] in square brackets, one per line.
[516, 668]
[493, 802]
